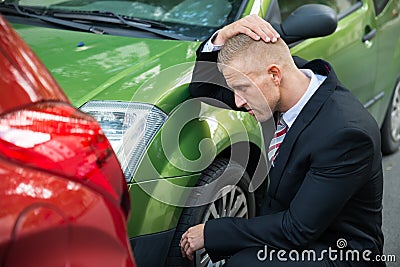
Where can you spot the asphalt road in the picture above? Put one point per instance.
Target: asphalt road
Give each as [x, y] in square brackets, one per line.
[391, 206]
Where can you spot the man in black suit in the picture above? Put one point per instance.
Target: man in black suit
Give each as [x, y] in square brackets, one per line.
[325, 191]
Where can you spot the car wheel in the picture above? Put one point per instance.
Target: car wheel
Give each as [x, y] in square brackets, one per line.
[390, 130]
[235, 202]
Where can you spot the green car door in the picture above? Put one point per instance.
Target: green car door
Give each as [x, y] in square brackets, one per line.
[365, 52]
[351, 49]
[387, 22]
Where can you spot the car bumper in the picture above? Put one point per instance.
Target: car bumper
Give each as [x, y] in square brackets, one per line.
[152, 249]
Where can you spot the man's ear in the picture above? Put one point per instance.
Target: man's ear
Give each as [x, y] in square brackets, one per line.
[275, 73]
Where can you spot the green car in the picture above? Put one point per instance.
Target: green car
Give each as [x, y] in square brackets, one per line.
[129, 63]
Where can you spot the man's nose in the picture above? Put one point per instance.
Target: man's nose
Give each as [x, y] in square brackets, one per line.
[239, 101]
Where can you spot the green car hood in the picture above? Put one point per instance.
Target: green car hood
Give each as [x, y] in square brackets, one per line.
[104, 67]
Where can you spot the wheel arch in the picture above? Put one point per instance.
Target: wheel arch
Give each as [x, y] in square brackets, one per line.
[256, 166]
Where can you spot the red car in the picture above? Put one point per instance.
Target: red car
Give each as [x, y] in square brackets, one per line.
[63, 196]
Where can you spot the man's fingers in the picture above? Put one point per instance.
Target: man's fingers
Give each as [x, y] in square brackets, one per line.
[190, 257]
[183, 238]
[187, 248]
[275, 35]
[192, 240]
[182, 244]
[259, 26]
[253, 26]
[189, 251]
[184, 235]
[249, 32]
[262, 28]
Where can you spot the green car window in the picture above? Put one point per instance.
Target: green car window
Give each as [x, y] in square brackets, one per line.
[187, 17]
[340, 6]
[380, 5]
[191, 12]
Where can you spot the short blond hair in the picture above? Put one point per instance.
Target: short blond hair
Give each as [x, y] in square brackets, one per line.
[255, 54]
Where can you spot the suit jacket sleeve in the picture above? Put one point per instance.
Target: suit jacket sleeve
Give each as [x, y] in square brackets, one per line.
[338, 168]
[208, 83]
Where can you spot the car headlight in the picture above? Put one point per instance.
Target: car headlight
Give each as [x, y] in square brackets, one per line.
[129, 127]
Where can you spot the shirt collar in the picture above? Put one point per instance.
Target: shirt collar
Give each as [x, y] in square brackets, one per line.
[315, 81]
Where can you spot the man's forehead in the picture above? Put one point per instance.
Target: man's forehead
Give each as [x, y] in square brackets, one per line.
[234, 77]
[233, 73]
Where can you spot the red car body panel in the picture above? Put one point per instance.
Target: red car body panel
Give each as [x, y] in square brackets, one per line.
[63, 196]
[22, 71]
[48, 220]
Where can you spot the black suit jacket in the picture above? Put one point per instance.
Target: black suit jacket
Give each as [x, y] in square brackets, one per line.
[327, 181]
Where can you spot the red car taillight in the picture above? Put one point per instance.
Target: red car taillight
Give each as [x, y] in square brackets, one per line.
[56, 137]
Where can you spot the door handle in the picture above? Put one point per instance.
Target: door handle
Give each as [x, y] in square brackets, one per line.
[367, 37]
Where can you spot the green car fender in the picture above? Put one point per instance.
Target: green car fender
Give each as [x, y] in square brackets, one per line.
[194, 134]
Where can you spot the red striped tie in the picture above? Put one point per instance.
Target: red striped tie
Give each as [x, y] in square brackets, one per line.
[277, 140]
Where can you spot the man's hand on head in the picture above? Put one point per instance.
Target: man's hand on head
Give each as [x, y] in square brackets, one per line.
[192, 240]
[251, 25]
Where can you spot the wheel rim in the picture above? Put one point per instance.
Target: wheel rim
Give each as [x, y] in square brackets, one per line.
[232, 203]
[395, 115]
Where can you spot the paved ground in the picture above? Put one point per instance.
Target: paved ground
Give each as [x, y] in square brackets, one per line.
[391, 206]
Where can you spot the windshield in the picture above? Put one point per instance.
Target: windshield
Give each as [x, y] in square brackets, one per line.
[195, 18]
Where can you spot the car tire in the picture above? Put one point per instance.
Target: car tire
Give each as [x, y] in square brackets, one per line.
[195, 215]
[390, 130]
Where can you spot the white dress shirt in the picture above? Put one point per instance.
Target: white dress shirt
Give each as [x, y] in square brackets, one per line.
[209, 46]
[315, 81]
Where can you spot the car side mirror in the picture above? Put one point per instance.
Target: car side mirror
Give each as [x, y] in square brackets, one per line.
[308, 21]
